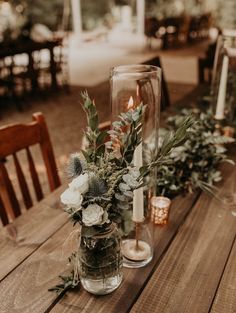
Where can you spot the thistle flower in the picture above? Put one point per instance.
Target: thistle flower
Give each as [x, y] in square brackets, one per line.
[97, 187]
[76, 165]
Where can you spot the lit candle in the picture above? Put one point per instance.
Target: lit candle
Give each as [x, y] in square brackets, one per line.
[160, 207]
[138, 209]
[220, 107]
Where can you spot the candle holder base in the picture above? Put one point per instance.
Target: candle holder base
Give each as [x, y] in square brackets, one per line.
[137, 249]
[135, 258]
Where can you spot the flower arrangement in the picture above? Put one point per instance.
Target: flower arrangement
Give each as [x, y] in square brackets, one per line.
[104, 177]
[103, 181]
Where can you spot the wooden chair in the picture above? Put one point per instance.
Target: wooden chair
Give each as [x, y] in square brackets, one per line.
[206, 63]
[14, 138]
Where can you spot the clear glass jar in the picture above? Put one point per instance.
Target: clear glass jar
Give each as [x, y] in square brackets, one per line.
[100, 261]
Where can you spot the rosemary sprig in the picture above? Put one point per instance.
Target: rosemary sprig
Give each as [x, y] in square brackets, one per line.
[67, 283]
[172, 140]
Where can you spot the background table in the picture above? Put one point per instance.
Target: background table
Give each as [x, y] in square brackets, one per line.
[193, 269]
[28, 47]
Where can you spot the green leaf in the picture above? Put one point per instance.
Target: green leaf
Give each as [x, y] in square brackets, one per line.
[101, 137]
[100, 151]
[86, 155]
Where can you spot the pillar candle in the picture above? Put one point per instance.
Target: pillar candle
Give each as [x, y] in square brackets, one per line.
[220, 106]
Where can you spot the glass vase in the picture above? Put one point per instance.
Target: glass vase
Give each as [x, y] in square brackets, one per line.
[132, 85]
[100, 261]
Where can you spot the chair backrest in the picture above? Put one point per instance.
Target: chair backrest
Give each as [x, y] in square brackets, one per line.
[14, 138]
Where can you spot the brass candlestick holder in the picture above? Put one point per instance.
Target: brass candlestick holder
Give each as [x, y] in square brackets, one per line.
[218, 128]
[137, 248]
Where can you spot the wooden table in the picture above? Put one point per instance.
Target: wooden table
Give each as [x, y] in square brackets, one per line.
[193, 270]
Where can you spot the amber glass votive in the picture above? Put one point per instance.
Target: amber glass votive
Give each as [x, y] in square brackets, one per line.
[228, 131]
[160, 208]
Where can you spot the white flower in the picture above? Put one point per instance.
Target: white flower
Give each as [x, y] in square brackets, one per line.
[72, 198]
[93, 215]
[80, 183]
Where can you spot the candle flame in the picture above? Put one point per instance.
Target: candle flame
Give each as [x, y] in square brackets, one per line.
[131, 103]
[137, 91]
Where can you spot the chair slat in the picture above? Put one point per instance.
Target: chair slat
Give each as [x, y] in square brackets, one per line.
[7, 193]
[34, 176]
[48, 154]
[22, 183]
[3, 214]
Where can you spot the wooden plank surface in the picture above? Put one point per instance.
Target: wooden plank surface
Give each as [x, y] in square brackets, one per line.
[134, 279]
[25, 290]
[31, 229]
[225, 300]
[188, 276]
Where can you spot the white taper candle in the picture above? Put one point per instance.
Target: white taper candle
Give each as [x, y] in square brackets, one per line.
[220, 106]
[138, 208]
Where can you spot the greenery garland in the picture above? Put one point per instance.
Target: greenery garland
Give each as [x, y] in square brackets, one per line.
[195, 164]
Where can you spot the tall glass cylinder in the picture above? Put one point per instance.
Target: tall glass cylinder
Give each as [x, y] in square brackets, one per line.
[130, 86]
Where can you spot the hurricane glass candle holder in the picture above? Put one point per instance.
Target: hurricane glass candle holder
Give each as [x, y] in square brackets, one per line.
[131, 86]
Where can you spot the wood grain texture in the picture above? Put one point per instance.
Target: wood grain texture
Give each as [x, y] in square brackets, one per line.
[26, 289]
[33, 229]
[134, 280]
[225, 300]
[26, 134]
[188, 276]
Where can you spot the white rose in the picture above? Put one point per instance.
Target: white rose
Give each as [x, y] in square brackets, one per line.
[72, 198]
[92, 215]
[80, 183]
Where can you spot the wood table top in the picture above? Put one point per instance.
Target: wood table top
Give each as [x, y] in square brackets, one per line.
[193, 269]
